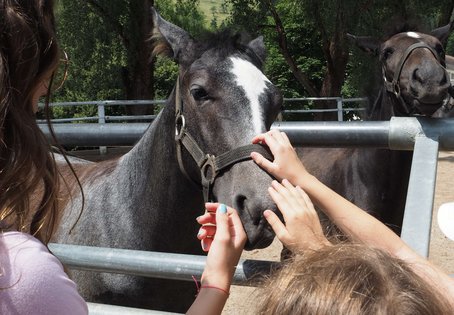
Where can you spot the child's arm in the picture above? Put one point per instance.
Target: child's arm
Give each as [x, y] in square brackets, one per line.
[223, 236]
[357, 224]
[353, 221]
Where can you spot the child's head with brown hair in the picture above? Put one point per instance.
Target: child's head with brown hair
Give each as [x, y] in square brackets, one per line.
[349, 279]
[29, 55]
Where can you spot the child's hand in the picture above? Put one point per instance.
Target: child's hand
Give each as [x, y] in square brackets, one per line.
[302, 229]
[286, 163]
[223, 236]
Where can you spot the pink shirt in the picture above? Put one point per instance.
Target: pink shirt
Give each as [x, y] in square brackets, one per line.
[32, 280]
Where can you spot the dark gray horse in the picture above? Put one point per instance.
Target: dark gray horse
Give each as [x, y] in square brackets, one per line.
[415, 82]
[145, 200]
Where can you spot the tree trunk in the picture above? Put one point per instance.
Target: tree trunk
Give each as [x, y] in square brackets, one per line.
[138, 78]
[334, 78]
[335, 50]
[302, 79]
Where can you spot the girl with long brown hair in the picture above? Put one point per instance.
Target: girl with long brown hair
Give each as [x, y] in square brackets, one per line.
[32, 281]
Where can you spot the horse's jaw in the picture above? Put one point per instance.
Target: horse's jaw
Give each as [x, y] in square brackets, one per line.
[258, 239]
[428, 109]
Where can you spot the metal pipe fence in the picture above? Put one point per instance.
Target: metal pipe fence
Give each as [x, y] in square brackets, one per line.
[103, 118]
[424, 136]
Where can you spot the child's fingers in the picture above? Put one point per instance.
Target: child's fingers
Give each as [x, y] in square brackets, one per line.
[236, 227]
[206, 231]
[290, 188]
[206, 218]
[283, 191]
[222, 223]
[276, 224]
[258, 138]
[206, 244]
[305, 197]
[261, 161]
[211, 206]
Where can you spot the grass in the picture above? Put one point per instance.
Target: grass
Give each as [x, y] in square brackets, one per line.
[212, 8]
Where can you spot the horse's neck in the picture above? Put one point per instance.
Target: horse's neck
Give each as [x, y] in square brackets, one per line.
[383, 107]
[153, 158]
[390, 168]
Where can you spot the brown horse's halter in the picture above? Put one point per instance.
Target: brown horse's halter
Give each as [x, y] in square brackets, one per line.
[393, 86]
[210, 166]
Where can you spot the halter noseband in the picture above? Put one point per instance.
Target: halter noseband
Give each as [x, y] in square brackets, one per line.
[393, 87]
[210, 166]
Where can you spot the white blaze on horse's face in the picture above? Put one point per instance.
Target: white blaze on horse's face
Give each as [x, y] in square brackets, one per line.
[253, 81]
[413, 35]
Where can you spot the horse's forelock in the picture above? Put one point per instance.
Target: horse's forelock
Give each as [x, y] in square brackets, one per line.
[228, 43]
[399, 25]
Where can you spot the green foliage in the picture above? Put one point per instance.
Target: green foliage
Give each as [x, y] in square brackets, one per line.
[183, 13]
[101, 61]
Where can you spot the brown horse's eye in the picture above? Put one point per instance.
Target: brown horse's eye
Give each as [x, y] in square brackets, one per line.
[387, 53]
[440, 51]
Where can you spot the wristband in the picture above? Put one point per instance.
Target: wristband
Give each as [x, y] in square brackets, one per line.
[213, 287]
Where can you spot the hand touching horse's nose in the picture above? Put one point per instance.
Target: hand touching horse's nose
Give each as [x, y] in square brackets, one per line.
[286, 163]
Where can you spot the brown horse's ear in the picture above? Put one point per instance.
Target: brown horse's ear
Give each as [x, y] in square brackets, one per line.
[169, 38]
[442, 33]
[366, 43]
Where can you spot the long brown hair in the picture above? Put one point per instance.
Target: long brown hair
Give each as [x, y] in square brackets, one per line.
[29, 54]
[350, 279]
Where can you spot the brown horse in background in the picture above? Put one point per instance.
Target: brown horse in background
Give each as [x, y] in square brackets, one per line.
[414, 82]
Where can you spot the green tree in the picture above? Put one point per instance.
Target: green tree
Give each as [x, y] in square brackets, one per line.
[110, 49]
[110, 53]
[312, 33]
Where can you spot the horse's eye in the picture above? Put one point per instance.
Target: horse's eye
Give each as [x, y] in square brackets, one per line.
[387, 53]
[439, 49]
[199, 94]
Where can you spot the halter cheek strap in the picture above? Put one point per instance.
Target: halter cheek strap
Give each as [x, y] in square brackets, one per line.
[210, 166]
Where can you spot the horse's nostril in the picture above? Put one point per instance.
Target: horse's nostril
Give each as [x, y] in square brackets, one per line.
[241, 204]
[416, 76]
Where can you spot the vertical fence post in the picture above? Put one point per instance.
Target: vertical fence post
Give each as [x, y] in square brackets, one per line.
[340, 111]
[420, 196]
[102, 120]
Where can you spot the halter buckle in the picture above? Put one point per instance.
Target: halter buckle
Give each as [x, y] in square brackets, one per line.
[396, 89]
[180, 125]
[207, 176]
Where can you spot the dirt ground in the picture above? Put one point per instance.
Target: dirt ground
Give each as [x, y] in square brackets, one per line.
[242, 300]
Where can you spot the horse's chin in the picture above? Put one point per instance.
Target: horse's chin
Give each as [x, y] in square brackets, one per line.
[259, 239]
[428, 109]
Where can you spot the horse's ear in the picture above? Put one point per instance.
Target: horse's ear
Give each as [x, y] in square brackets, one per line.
[258, 46]
[169, 37]
[442, 33]
[366, 43]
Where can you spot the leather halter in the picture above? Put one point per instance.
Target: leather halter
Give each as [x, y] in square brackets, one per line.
[393, 86]
[210, 166]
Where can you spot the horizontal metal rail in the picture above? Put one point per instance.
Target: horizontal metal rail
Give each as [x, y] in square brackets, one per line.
[102, 118]
[399, 133]
[105, 309]
[151, 264]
